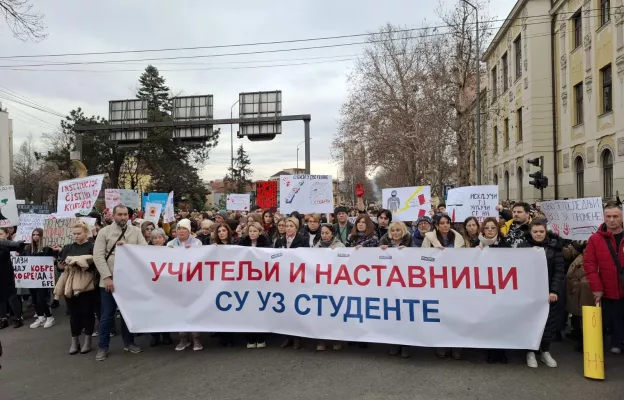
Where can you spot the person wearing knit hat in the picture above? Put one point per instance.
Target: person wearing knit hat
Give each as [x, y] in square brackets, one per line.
[343, 227]
[221, 217]
[423, 225]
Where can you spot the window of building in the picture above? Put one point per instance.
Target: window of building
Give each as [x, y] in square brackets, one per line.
[506, 133]
[605, 77]
[506, 185]
[578, 101]
[518, 49]
[496, 179]
[605, 11]
[505, 62]
[519, 125]
[494, 84]
[578, 29]
[495, 140]
[579, 166]
[607, 174]
[519, 183]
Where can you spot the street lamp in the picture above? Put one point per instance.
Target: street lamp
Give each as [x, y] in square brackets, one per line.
[478, 90]
[298, 154]
[232, 134]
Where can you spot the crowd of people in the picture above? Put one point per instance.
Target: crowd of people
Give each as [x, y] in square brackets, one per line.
[579, 273]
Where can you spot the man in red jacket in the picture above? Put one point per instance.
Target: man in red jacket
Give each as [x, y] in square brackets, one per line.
[604, 272]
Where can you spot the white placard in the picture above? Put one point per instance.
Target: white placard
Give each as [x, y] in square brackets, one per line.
[457, 299]
[33, 272]
[8, 207]
[152, 212]
[112, 198]
[27, 224]
[169, 215]
[407, 203]
[130, 198]
[306, 194]
[472, 201]
[238, 202]
[78, 196]
[575, 219]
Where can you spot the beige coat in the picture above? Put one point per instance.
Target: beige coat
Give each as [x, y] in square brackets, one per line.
[105, 240]
[75, 279]
[431, 240]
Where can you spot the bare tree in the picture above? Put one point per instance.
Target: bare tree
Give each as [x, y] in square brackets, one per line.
[34, 180]
[25, 22]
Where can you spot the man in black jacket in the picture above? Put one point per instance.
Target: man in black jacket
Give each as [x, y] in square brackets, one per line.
[343, 228]
[8, 292]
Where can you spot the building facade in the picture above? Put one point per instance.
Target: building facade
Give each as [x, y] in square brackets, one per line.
[6, 147]
[589, 49]
[519, 102]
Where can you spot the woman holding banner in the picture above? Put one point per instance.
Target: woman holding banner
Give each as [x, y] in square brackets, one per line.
[43, 313]
[364, 233]
[471, 230]
[8, 292]
[223, 237]
[540, 238]
[159, 238]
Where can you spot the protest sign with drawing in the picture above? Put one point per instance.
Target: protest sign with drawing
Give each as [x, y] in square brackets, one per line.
[575, 219]
[152, 212]
[8, 207]
[407, 203]
[306, 194]
[238, 202]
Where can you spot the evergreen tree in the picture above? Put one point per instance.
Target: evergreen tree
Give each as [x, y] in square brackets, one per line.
[154, 89]
[241, 174]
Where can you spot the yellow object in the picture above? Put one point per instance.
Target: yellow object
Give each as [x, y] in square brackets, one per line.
[592, 343]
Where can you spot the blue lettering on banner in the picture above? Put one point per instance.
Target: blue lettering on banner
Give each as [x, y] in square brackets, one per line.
[411, 303]
[241, 301]
[370, 307]
[396, 309]
[264, 301]
[218, 301]
[319, 298]
[336, 306]
[358, 314]
[427, 310]
[297, 309]
[280, 302]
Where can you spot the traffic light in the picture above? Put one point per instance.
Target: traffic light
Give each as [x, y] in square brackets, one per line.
[539, 180]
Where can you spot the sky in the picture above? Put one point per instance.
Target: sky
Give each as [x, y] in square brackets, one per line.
[318, 85]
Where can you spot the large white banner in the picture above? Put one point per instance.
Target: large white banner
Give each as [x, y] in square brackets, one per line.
[472, 201]
[8, 207]
[575, 219]
[78, 196]
[492, 298]
[306, 194]
[407, 203]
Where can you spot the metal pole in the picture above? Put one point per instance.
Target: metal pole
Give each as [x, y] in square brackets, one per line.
[232, 136]
[306, 123]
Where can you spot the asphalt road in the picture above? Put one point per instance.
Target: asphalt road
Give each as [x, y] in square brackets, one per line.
[36, 366]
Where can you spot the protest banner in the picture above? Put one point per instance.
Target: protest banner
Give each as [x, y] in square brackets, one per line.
[58, 231]
[32, 209]
[90, 223]
[575, 219]
[27, 224]
[491, 298]
[115, 197]
[78, 196]
[266, 194]
[152, 212]
[472, 201]
[169, 213]
[33, 272]
[306, 194]
[237, 202]
[160, 198]
[8, 207]
[112, 198]
[407, 203]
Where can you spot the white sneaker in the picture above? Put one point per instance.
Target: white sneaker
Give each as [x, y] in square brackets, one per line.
[252, 345]
[548, 360]
[49, 322]
[614, 350]
[35, 316]
[531, 360]
[39, 322]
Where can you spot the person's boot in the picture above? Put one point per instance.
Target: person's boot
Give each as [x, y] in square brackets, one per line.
[75, 345]
[86, 346]
[166, 339]
[18, 323]
[4, 323]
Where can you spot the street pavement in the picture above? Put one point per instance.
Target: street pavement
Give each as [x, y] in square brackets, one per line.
[36, 365]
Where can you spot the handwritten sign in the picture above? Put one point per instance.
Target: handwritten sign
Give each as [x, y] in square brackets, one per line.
[115, 197]
[58, 231]
[472, 201]
[575, 219]
[8, 207]
[32, 209]
[237, 202]
[27, 224]
[33, 272]
[78, 196]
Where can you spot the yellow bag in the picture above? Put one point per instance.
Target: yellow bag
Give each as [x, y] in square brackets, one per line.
[593, 350]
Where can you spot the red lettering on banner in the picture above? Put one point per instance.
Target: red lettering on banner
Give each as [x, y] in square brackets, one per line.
[356, 275]
[227, 267]
[395, 276]
[211, 265]
[253, 274]
[157, 272]
[379, 268]
[511, 274]
[179, 272]
[299, 272]
[343, 275]
[416, 272]
[197, 270]
[433, 276]
[241, 268]
[327, 273]
[490, 278]
[463, 276]
[268, 273]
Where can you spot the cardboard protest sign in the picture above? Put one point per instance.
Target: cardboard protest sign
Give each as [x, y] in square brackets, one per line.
[32, 209]
[306, 194]
[78, 196]
[112, 198]
[407, 203]
[33, 272]
[472, 201]
[160, 198]
[152, 212]
[237, 202]
[115, 197]
[27, 224]
[8, 207]
[575, 219]
[266, 194]
[58, 231]
[169, 214]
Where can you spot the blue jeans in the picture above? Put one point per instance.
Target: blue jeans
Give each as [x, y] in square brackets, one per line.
[109, 306]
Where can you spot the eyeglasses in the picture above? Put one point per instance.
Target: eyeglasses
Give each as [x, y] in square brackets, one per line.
[149, 229]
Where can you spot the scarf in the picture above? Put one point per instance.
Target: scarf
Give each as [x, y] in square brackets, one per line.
[325, 243]
[485, 242]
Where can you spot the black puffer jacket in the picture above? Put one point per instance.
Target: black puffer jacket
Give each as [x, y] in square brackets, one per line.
[554, 259]
[7, 276]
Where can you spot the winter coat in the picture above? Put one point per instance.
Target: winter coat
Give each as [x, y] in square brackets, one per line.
[348, 227]
[554, 259]
[78, 277]
[368, 241]
[307, 233]
[263, 241]
[406, 241]
[381, 232]
[334, 245]
[600, 269]
[431, 240]
[498, 243]
[417, 238]
[472, 241]
[578, 292]
[515, 235]
[7, 276]
[298, 241]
